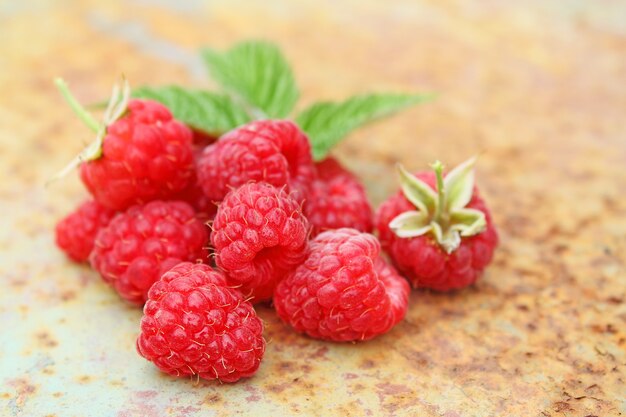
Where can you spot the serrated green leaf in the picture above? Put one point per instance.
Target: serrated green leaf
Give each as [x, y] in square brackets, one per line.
[326, 123]
[202, 110]
[258, 73]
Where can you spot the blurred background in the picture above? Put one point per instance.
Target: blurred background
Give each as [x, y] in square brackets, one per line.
[537, 88]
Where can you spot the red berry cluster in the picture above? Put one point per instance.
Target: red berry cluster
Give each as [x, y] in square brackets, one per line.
[198, 230]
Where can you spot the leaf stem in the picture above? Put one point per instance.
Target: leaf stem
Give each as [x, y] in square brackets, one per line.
[440, 210]
[76, 106]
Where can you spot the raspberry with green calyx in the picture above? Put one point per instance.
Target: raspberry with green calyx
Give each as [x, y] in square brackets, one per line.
[442, 213]
[438, 231]
[141, 153]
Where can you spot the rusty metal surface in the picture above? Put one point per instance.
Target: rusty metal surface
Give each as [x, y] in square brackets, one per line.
[537, 88]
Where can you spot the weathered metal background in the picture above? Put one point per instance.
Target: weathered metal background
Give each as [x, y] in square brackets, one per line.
[536, 87]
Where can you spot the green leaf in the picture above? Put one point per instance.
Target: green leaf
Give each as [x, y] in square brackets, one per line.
[326, 123]
[202, 110]
[257, 73]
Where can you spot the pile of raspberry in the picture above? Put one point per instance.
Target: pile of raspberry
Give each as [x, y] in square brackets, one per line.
[198, 230]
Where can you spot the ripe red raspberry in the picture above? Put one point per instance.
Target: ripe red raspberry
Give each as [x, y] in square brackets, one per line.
[139, 245]
[76, 232]
[146, 155]
[259, 234]
[194, 325]
[202, 139]
[343, 291]
[205, 207]
[337, 199]
[424, 260]
[273, 151]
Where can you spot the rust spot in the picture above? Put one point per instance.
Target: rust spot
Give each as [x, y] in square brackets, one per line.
[57, 394]
[254, 394]
[562, 406]
[84, 379]
[367, 364]
[560, 249]
[392, 389]
[614, 300]
[286, 366]
[18, 283]
[416, 360]
[48, 370]
[44, 339]
[608, 328]
[23, 388]
[51, 415]
[68, 295]
[278, 388]
[117, 383]
[320, 353]
[212, 398]
[5, 395]
[146, 394]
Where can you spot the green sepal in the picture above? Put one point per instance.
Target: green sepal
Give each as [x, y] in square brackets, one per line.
[459, 185]
[116, 108]
[442, 213]
[467, 221]
[417, 191]
[410, 224]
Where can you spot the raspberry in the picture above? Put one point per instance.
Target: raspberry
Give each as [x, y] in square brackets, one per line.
[337, 199]
[146, 155]
[259, 235]
[202, 139]
[273, 151]
[426, 262]
[343, 291]
[142, 243]
[76, 232]
[205, 208]
[193, 194]
[194, 325]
